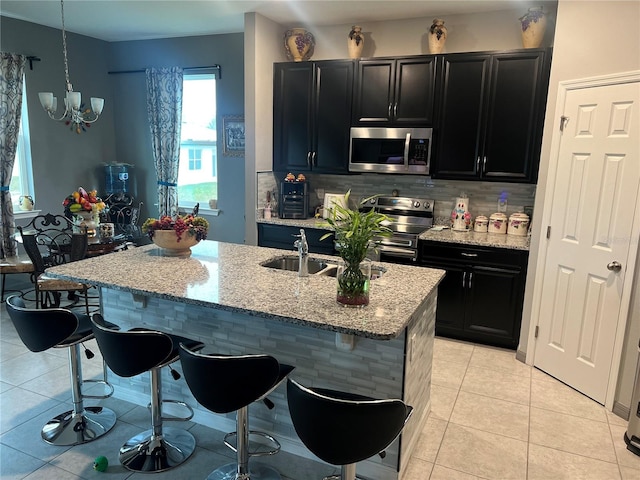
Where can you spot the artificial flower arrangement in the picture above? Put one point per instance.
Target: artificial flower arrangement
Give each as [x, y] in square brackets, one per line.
[83, 201]
[195, 226]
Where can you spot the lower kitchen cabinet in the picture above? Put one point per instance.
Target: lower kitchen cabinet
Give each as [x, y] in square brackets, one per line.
[481, 297]
[282, 236]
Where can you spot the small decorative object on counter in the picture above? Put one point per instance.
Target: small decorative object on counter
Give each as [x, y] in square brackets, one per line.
[26, 203]
[355, 42]
[460, 216]
[481, 224]
[498, 223]
[176, 237]
[299, 44]
[354, 234]
[300, 178]
[534, 24]
[437, 36]
[518, 224]
[290, 177]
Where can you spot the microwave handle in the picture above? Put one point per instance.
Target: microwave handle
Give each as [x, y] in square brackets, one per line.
[407, 143]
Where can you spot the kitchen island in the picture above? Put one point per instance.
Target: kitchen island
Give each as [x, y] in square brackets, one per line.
[223, 296]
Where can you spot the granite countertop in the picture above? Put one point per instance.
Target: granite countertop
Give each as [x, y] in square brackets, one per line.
[230, 277]
[446, 235]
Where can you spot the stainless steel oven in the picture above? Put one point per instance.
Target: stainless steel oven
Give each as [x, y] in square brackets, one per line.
[410, 217]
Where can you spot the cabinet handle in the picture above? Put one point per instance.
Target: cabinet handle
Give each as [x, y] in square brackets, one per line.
[395, 110]
[484, 164]
[309, 159]
[470, 279]
[313, 159]
[464, 254]
[464, 278]
[478, 163]
[390, 110]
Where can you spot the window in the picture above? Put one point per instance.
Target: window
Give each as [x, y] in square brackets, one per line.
[22, 176]
[195, 159]
[198, 171]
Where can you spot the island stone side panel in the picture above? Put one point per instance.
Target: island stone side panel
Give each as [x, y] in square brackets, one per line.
[375, 368]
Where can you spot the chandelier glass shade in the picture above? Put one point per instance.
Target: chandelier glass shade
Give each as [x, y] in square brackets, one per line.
[74, 113]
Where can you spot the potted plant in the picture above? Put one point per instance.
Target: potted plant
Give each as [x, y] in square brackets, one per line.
[356, 231]
[176, 236]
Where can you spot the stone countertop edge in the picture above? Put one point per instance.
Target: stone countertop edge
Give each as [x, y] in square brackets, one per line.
[230, 277]
[494, 240]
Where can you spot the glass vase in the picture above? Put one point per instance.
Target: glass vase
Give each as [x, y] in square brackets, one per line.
[353, 283]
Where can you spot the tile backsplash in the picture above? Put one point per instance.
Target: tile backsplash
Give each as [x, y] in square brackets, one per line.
[483, 196]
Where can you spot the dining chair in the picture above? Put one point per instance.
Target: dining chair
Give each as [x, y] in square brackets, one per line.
[124, 213]
[51, 240]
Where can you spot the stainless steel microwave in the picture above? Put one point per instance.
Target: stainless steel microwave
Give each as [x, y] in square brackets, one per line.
[390, 150]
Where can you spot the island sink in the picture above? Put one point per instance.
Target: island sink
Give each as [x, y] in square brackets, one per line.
[316, 266]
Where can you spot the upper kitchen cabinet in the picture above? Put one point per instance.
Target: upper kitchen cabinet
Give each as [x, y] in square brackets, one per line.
[312, 112]
[490, 115]
[396, 91]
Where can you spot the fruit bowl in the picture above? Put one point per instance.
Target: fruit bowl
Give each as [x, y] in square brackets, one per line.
[167, 240]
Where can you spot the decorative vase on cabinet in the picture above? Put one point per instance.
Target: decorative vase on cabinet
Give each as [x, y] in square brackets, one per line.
[437, 36]
[355, 42]
[534, 24]
[299, 44]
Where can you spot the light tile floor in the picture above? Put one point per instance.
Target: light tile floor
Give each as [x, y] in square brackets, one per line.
[492, 418]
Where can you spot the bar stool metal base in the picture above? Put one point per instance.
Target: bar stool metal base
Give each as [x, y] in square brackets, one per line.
[150, 453]
[257, 471]
[71, 428]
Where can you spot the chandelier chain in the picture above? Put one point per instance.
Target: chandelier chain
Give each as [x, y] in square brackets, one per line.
[64, 50]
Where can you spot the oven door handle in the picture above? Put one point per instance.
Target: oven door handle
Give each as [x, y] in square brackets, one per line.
[398, 252]
[396, 243]
[407, 144]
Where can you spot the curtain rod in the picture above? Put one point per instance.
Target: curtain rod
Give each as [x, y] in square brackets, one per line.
[215, 67]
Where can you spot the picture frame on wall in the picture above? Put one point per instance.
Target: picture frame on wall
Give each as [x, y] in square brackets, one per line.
[233, 135]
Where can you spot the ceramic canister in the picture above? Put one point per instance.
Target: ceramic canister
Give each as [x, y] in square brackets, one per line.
[498, 223]
[518, 224]
[481, 224]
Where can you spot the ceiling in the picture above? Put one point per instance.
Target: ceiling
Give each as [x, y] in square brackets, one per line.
[117, 20]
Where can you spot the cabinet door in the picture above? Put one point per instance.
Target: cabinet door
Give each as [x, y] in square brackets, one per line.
[374, 92]
[292, 99]
[451, 302]
[515, 117]
[463, 95]
[494, 305]
[332, 114]
[414, 91]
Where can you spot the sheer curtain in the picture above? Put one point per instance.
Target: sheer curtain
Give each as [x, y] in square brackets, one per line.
[11, 75]
[164, 108]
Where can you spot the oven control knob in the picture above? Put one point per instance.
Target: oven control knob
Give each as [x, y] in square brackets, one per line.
[372, 201]
[427, 204]
[416, 204]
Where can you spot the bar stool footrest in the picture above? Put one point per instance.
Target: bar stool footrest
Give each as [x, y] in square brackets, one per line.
[173, 418]
[98, 397]
[274, 447]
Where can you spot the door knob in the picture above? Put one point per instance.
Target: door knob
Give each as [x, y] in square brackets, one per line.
[614, 266]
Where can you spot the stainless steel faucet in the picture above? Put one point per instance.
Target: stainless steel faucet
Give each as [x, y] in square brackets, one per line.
[303, 254]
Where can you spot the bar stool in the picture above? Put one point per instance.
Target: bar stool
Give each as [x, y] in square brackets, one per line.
[343, 429]
[130, 353]
[42, 329]
[226, 384]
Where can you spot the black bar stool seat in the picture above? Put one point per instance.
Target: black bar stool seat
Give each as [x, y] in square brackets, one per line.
[130, 353]
[342, 428]
[42, 329]
[227, 383]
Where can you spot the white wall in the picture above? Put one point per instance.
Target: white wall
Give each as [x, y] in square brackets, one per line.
[592, 38]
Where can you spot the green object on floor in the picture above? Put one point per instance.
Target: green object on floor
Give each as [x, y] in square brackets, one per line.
[100, 464]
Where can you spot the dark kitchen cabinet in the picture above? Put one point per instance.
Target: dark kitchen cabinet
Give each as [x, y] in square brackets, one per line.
[283, 236]
[312, 112]
[481, 297]
[490, 115]
[398, 91]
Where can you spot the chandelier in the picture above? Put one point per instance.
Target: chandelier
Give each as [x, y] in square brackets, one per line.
[74, 113]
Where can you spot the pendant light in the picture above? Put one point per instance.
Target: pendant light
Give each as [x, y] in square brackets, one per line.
[73, 113]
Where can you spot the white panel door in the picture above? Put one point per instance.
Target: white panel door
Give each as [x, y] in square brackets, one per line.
[594, 202]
